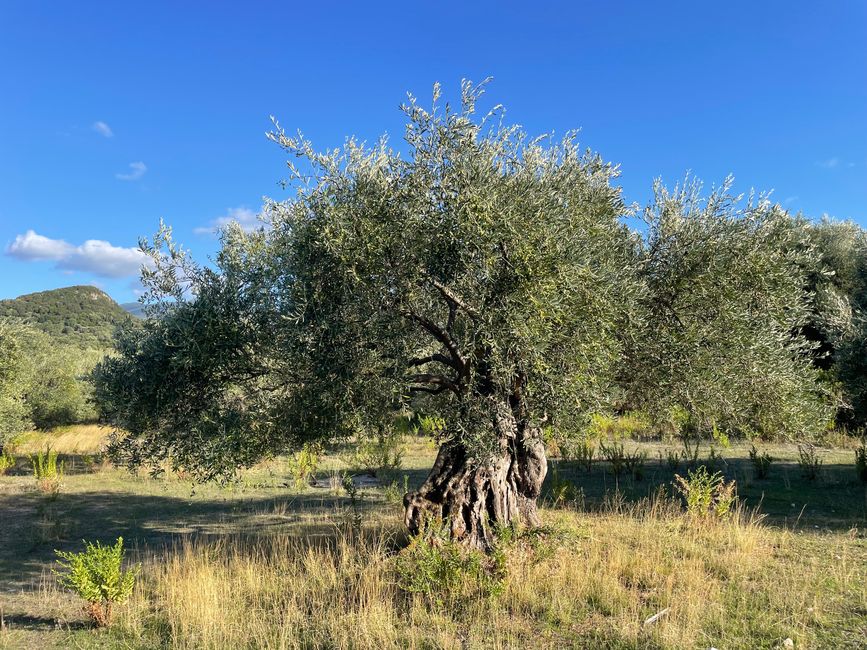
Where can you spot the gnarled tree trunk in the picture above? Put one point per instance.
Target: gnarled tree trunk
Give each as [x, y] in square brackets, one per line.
[475, 498]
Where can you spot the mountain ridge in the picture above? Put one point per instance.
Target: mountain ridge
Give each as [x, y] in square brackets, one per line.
[80, 315]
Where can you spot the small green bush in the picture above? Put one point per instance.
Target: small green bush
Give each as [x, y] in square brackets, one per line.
[7, 461]
[563, 491]
[809, 461]
[706, 494]
[382, 453]
[96, 575]
[446, 574]
[47, 471]
[861, 461]
[761, 462]
[615, 455]
[303, 464]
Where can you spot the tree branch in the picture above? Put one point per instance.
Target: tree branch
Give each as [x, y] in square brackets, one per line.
[437, 380]
[439, 358]
[440, 335]
[453, 299]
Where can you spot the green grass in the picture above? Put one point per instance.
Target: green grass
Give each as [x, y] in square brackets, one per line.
[264, 548]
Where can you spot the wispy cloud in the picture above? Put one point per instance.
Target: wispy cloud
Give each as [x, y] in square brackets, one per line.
[93, 256]
[244, 217]
[137, 170]
[830, 163]
[103, 129]
[791, 199]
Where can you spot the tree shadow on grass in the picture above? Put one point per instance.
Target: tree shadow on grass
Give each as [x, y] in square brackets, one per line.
[32, 526]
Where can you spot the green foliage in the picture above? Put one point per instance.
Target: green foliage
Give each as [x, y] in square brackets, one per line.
[446, 574]
[630, 425]
[477, 267]
[47, 471]
[809, 461]
[303, 464]
[81, 317]
[761, 462]
[563, 492]
[7, 461]
[13, 408]
[383, 452]
[706, 494]
[97, 576]
[354, 503]
[614, 454]
[861, 461]
[41, 381]
[723, 292]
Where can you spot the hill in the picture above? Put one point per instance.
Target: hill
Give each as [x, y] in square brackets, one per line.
[83, 316]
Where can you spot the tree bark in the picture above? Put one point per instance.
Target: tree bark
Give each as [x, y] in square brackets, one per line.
[476, 498]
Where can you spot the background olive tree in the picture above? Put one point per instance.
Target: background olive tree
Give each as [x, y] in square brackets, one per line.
[724, 293]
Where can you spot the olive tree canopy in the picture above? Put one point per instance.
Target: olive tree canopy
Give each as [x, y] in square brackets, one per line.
[482, 277]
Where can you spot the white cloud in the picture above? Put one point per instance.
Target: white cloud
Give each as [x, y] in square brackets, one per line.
[791, 199]
[831, 163]
[244, 217]
[31, 246]
[137, 170]
[103, 129]
[93, 256]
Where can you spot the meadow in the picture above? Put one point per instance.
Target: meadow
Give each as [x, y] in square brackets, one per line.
[265, 562]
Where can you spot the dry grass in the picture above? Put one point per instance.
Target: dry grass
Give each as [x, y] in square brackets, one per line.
[591, 583]
[75, 439]
[261, 564]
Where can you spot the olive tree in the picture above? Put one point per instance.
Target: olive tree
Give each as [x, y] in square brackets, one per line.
[723, 300]
[13, 410]
[480, 276]
[838, 320]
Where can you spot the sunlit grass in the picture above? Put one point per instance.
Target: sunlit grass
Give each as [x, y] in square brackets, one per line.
[73, 439]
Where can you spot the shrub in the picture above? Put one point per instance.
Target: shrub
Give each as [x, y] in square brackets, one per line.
[445, 573]
[96, 575]
[809, 461]
[580, 450]
[634, 464]
[615, 455]
[384, 452]
[7, 461]
[761, 462]
[95, 462]
[563, 492]
[671, 459]
[47, 471]
[706, 494]
[861, 461]
[303, 464]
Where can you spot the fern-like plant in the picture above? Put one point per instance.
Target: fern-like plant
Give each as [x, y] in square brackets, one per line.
[97, 576]
[47, 471]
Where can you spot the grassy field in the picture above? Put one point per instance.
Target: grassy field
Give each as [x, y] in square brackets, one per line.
[261, 563]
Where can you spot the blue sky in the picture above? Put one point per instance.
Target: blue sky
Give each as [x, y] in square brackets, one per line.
[113, 115]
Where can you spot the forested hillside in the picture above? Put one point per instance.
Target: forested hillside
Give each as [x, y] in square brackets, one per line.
[82, 316]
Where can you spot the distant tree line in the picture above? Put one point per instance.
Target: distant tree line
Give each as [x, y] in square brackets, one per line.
[43, 383]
